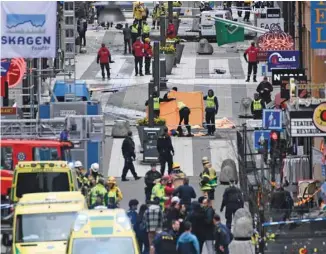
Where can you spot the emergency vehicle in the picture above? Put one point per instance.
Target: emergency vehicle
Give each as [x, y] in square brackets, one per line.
[15, 150]
[100, 230]
[42, 176]
[42, 222]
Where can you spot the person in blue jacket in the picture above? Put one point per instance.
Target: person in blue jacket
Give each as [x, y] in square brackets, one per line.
[188, 242]
[132, 212]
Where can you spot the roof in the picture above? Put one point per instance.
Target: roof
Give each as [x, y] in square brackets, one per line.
[104, 223]
[43, 162]
[51, 202]
[57, 166]
[35, 142]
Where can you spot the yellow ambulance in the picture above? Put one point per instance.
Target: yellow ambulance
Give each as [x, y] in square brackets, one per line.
[102, 230]
[42, 176]
[43, 221]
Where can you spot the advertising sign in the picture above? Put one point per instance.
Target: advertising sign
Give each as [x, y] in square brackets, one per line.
[267, 23]
[8, 113]
[277, 74]
[272, 119]
[28, 29]
[273, 12]
[283, 60]
[318, 24]
[304, 127]
[300, 84]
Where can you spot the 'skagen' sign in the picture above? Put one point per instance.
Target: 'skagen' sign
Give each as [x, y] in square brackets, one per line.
[304, 127]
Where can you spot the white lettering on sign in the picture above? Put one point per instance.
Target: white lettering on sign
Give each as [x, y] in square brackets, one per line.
[283, 59]
[67, 112]
[305, 128]
[277, 77]
[267, 23]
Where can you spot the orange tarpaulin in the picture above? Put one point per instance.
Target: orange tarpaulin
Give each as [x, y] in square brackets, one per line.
[169, 110]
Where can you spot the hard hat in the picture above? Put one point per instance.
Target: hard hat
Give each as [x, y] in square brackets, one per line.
[205, 160]
[147, 40]
[175, 165]
[78, 164]
[175, 200]
[95, 167]
[111, 179]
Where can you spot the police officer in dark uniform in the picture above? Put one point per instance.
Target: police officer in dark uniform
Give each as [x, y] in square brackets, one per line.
[166, 95]
[222, 236]
[150, 177]
[165, 150]
[164, 243]
[265, 89]
[211, 110]
[257, 106]
[232, 200]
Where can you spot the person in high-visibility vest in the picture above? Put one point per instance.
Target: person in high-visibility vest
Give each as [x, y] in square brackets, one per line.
[98, 190]
[138, 14]
[156, 15]
[134, 32]
[204, 184]
[156, 103]
[146, 29]
[184, 113]
[257, 106]
[114, 194]
[159, 191]
[211, 110]
[208, 169]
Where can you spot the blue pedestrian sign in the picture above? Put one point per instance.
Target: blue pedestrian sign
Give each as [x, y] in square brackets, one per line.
[260, 137]
[272, 119]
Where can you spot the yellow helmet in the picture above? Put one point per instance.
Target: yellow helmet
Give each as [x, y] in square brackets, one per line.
[175, 165]
[147, 40]
[111, 179]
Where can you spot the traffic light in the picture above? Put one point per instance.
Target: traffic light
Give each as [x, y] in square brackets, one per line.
[275, 151]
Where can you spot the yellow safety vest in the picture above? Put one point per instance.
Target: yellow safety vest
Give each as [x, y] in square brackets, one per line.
[113, 194]
[210, 102]
[134, 29]
[162, 11]
[146, 29]
[206, 186]
[257, 105]
[138, 13]
[156, 101]
[181, 105]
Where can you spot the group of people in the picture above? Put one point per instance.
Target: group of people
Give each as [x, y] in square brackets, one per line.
[94, 187]
[172, 221]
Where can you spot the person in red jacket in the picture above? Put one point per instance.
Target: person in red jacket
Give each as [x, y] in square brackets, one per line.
[252, 52]
[137, 51]
[148, 53]
[169, 189]
[104, 58]
[171, 33]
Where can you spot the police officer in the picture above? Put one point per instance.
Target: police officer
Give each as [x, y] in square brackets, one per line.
[164, 243]
[265, 89]
[232, 200]
[211, 110]
[184, 113]
[156, 103]
[98, 190]
[151, 176]
[134, 32]
[165, 150]
[156, 15]
[128, 152]
[252, 52]
[148, 53]
[166, 95]
[257, 106]
[146, 29]
[222, 236]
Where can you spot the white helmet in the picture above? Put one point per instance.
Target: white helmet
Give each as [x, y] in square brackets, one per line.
[95, 167]
[78, 164]
[71, 165]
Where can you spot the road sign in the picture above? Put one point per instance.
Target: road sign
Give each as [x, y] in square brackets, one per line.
[260, 137]
[272, 119]
[4, 67]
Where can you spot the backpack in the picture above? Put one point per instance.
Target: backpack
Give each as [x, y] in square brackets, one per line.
[227, 233]
[236, 197]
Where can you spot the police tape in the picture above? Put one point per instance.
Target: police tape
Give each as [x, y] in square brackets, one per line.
[266, 224]
[306, 200]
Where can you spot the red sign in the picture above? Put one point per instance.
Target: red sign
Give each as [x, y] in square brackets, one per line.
[2, 90]
[8, 111]
[15, 73]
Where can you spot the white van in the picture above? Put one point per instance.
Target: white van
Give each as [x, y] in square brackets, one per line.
[207, 22]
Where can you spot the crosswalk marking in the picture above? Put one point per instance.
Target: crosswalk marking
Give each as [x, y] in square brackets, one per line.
[221, 150]
[184, 154]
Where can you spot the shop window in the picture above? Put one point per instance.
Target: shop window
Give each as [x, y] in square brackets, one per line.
[45, 154]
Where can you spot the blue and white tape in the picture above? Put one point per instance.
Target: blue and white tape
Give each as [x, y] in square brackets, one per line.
[266, 224]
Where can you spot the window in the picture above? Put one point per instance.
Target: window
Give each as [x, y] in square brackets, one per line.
[45, 154]
[44, 227]
[6, 158]
[66, 154]
[116, 245]
[41, 182]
